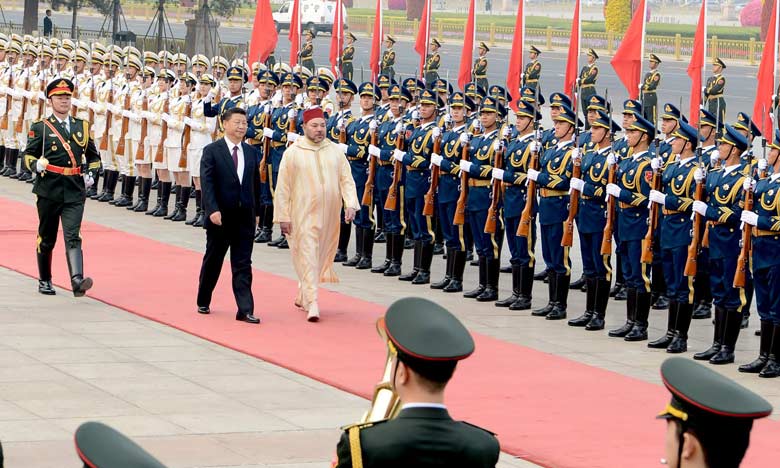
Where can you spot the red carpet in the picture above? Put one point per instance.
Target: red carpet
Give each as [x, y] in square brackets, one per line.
[546, 409]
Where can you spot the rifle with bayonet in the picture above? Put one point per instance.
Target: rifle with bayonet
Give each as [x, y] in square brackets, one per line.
[576, 172]
[694, 248]
[524, 226]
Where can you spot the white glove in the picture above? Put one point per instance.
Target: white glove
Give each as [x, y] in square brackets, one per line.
[291, 137]
[292, 114]
[208, 98]
[639, 86]
[89, 181]
[165, 118]
[535, 146]
[533, 174]
[415, 115]
[299, 100]
[41, 165]
[506, 132]
[12, 92]
[464, 138]
[436, 159]
[749, 217]
[374, 150]
[575, 154]
[700, 207]
[436, 132]
[699, 175]
[714, 157]
[465, 166]
[657, 197]
[498, 174]
[189, 122]
[342, 147]
[656, 163]
[774, 96]
[76, 102]
[448, 120]
[497, 145]
[399, 127]
[613, 190]
[372, 125]
[749, 184]
[134, 117]
[268, 133]
[577, 184]
[611, 159]
[147, 115]
[477, 126]
[42, 97]
[398, 155]
[703, 89]
[276, 101]
[762, 164]
[91, 105]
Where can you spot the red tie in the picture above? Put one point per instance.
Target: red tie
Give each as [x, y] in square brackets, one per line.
[235, 156]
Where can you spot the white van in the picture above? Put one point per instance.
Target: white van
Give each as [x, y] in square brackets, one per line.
[316, 15]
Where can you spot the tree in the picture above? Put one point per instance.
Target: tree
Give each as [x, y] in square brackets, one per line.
[103, 6]
[223, 8]
[617, 15]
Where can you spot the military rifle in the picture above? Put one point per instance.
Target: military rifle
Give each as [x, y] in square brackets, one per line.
[694, 247]
[574, 195]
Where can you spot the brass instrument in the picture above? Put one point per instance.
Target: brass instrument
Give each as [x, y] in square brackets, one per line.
[385, 403]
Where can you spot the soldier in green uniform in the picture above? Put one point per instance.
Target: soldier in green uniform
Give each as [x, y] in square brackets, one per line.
[423, 433]
[648, 89]
[709, 417]
[587, 83]
[346, 56]
[388, 58]
[307, 52]
[62, 154]
[533, 70]
[713, 90]
[480, 66]
[432, 62]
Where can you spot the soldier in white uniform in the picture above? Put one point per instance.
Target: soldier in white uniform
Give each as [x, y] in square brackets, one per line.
[125, 157]
[179, 109]
[103, 129]
[158, 105]
[202, 129]
[140, 150]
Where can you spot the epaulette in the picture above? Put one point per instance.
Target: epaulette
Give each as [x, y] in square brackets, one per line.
[481, 428]
[363, 425]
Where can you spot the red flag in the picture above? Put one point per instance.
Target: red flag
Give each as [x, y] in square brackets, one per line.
[696, 66]
[337, 39]
[467, 54]
[264, 36]
[627, 60]
[572, 62]
[766, 76]
[423, 35]
[295, 33]
[516, 56]
[376, 41]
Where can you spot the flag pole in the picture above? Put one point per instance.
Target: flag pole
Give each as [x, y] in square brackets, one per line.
[704, 55]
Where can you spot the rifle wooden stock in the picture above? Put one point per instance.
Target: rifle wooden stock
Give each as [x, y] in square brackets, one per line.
[609, 227]
[159, 156]
[392, 195]
[215, 101]
[368, 191]
[495, 195]
[73, 108]
[574, 206]
[20, 123]
[428, 208]
[91, 113]
[524, 226]
[263, 166]
[120, 147]
[140, 152]
[292, 128]
[746, 246]
[460, 209]
[109, 116]
[652, 222]
[41, 102]
[8, 102]
[694, 247]
[185, 138]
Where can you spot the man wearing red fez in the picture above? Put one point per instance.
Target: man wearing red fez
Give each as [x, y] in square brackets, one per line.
[314, 183]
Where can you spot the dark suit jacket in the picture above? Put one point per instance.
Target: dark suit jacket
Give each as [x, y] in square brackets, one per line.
[220, 187]
[422, 437]
[48, 26]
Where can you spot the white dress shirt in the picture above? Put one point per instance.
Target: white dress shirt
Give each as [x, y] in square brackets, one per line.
[65, 123]
[240, 167]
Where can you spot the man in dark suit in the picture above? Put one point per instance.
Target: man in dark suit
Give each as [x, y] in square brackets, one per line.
[230, 184]
[423, 434]
[48, 24]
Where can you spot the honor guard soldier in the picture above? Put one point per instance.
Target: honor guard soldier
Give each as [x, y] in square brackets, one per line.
[138, 147]
[347, 55]
[101, 446]
[200, 135]
[479, 71]
[533, 69]
[552, 179]
[749, 130]
[432, 62]
[327, 77]
[587, 81]
[337, 122]
[156, 155]
[383, 105]
[517, 161]
[476, 93]
[422, 434]
[709, 417]
[236, 77]
[592, 220]
[104, 99]
[13, 80]
[596, 103]
[676, 197]
[671, 118]
[388, 58]
[765, 220]
[631, 189]
[307, 51]
[714, 89]
[62, 154]
[648, 88]
[179, 109]
[723, 209]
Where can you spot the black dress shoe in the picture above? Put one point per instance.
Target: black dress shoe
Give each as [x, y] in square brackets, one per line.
[506, 269]
[203, 310]
[438, 249]
[622, 294]
[80, 286]
[541, 276]
[745, 322]
[578, 284]
[702, 311]
[276, 241]
[615, 289]
[341, 256]
[45, 287]
[283, 244]
[248, 318]
[380, 237]
[661, 303]
[596, 323]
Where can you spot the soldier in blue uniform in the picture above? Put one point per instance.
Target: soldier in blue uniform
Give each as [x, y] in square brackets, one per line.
[356, 150]
[383, 83]
[455, 236]
[475, 92]
[482, 150]
[631, 190]
[749, 130]
[237, 77]
[596, 103]
[254, 133]
[765, 219]
[345, 93]
[723, 209]
[591, 220]
[517, 160]
[587, 81]
[677, 196]
[671, 118]
[552, 179]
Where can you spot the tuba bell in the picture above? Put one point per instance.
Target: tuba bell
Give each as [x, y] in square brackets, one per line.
[385, 403]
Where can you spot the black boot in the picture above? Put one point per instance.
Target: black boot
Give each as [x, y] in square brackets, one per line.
[671, 322]
[458, 266]
[2, 159]
[78, 281]
[345, 230]
[516, 269]
[579, 283]
[12, 156]
[368, 250]
[417, 256]
[561, 297]
[388, 239]
[772, 368]
[474, 293]
[679, 343]
[590, 305]
[358, 248]
[601, 300]
[447, 273]
[763, 350]
[44, 274]
[267, 222]
[280, 239]
[526, 287]
[622, 293]
[129, 192]
[717, 339]
[199, 207]
[283, 244]
[639, 331]
[398, 252]
[158, 206]
[491, 288]
[426, 258]
[630, 315]
[730, 335]
[143, 195]
[166, 196]
[176, 204]
[703, 310]
[551, 295]
[185, 200]
[122, 193]
[111, 179]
